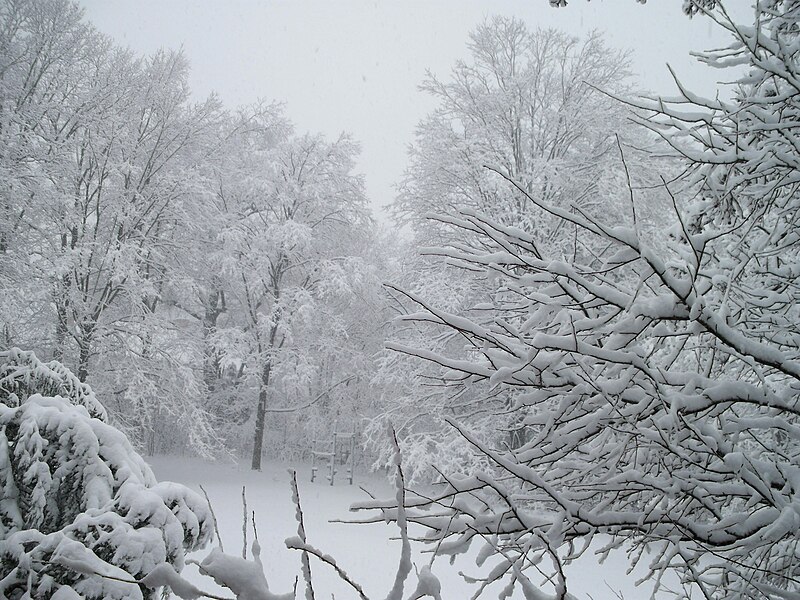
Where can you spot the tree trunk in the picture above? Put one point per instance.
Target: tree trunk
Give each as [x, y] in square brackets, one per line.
[214, 306]
[84, 346]
[83, 362]
[261, 413]
[60, 299]
[60, 294]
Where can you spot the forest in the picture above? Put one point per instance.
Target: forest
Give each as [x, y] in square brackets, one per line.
[578, 334]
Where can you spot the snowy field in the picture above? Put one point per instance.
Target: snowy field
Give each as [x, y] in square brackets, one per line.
[369, 553]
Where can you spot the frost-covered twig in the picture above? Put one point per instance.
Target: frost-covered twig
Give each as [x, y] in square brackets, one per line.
[295, 543]
[404, 568]
[301, 533]
[629, 185]
[316, 399]
[213, 518]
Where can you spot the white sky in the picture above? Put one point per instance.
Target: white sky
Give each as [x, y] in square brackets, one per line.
[354, 65]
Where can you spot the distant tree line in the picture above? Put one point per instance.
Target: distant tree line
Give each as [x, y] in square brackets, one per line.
[198, 266]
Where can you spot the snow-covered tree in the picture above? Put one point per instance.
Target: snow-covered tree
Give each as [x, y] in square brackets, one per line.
[81, 512]
[289, 214]
[658, 387]
[100, 149]
[533, 105]
[147, 242]
[45, 69]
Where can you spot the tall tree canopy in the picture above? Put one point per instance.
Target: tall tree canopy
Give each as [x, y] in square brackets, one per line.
[179, 256]
[533, 105]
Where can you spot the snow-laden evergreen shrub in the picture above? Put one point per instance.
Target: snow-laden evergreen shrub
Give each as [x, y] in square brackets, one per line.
[22, 374]
[79, 507]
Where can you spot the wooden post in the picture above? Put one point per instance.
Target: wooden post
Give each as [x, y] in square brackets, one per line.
[333, 457]
[313, 459]
[352, 455]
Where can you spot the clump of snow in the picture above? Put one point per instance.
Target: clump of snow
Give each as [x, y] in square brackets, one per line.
[245, 578]
[166, 575]
[427, 585]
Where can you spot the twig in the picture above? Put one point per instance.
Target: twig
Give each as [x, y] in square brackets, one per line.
[213, 518]
[296, 544]
[301, 533]
[404, 568]
[131, 581]
[630, 185]
[318, 397]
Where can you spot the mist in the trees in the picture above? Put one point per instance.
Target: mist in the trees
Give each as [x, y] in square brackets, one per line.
[560, 351]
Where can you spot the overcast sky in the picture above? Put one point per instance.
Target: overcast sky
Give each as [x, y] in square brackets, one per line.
[353, 65]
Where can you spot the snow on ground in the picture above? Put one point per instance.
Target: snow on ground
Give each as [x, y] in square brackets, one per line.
[369, 553]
